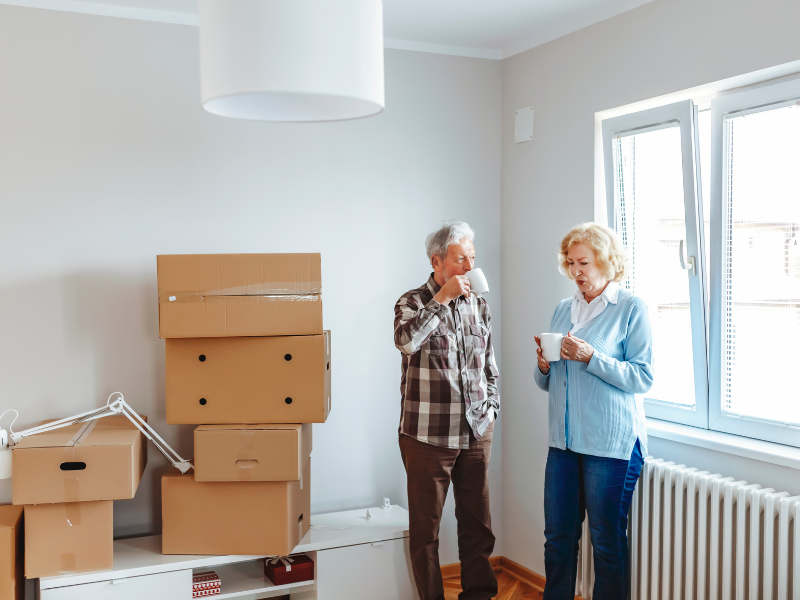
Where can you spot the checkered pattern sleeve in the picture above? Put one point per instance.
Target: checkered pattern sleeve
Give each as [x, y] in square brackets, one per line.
[415, 318]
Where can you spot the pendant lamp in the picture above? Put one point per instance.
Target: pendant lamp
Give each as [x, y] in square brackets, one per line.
[292, 60]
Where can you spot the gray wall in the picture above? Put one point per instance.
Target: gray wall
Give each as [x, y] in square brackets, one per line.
[548, 186]
[107, 159]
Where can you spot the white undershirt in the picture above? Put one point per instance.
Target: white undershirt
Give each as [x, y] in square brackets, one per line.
[583, 312]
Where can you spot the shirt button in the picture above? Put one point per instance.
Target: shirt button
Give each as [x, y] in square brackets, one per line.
[565, 384]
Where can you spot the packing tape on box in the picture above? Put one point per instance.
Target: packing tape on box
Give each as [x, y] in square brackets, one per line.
[277, 292]
[245, 467]
[68, 565]
[82, 432]
[247, 436]
[244, 463]
[72, 490]
[73, 512]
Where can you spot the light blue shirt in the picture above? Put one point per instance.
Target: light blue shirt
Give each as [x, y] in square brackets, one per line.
[605, 415]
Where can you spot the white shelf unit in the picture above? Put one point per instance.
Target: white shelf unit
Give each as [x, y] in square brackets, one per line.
[354, 558]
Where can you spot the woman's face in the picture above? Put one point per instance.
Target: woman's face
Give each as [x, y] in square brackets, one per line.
[584, 270]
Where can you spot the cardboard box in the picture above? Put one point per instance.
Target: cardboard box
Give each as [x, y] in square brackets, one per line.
[248, 380]
[251, 452]
[62, 539]
[240, 517]
[227, 295]
[98, 460]
[12, 581]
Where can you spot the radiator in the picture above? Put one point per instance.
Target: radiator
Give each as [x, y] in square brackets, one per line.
[700, 536]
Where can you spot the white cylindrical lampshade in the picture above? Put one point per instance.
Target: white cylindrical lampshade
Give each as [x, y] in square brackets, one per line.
[292, 60]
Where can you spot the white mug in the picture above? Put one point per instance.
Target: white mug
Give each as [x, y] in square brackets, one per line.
[477, 282]
[551, 346]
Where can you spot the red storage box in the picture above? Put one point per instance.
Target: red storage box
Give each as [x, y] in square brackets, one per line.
[204, 584]
[289, 569]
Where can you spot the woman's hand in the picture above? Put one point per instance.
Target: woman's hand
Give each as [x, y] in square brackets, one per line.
[544, 366]
[576, 349]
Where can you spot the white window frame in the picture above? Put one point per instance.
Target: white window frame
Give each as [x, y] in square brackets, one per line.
[684, 116]
[730, 105]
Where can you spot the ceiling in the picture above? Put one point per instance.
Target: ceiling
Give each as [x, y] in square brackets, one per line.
[482, 28]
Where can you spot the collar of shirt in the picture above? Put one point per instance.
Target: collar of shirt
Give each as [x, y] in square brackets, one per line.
[583, 312]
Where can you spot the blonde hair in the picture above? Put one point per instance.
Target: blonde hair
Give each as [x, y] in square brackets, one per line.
[604, 242]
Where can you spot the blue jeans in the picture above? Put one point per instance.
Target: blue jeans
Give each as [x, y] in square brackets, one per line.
[603, 487]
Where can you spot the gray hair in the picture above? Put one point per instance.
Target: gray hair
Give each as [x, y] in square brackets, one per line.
[451, 232]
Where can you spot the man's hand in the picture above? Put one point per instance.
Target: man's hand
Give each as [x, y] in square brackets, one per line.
[544, 365]
[455, 287]
[576, 349]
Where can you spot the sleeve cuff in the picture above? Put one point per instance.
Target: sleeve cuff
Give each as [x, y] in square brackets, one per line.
[594, 363]
[434, 305]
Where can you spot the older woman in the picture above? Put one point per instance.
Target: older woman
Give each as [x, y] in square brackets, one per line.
[597, 429]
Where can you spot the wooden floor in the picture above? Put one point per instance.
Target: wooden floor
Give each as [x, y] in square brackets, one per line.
[514, 581]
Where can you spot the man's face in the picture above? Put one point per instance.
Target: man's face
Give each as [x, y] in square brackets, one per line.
[460, 261]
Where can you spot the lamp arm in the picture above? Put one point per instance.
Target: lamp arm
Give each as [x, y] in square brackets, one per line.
[150, 433]
[118, 407]
[91, 415]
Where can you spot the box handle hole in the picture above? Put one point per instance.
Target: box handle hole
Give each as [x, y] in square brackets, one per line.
[73, 466]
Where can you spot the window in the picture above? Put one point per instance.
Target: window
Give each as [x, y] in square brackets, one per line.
[705, 204]
[755, 294]
[651, 176]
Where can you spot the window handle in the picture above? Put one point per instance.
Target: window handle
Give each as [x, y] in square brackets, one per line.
[689, 263]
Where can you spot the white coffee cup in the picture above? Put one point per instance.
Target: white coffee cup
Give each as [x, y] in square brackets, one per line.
[551, 346]
[477, 282]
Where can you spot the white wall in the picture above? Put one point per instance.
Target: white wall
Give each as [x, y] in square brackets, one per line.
[548, 186]
[107, 159]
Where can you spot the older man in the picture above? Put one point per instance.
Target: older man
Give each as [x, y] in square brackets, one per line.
[449, 404]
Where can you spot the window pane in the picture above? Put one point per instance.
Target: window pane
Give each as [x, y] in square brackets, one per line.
[651, 220]
[762, 265]
[704, 135]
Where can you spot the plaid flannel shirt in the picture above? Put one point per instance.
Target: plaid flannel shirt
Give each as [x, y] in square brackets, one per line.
[449, 379]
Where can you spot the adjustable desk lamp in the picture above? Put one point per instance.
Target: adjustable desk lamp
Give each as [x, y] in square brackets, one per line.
[118, 407]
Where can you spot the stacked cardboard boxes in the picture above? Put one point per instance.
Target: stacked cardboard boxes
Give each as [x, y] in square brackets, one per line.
[67, 480]
[248, 361]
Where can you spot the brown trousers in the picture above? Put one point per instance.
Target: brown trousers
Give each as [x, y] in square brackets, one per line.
[429, 470]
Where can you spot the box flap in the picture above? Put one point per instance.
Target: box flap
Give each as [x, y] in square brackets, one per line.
[182, 275]
[115, 430]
